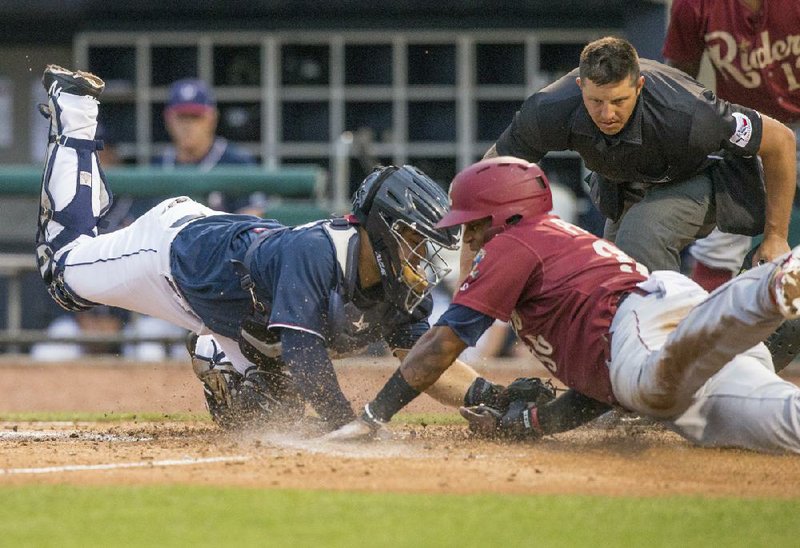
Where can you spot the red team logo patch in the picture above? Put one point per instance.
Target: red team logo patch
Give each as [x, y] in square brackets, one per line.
[744, 130]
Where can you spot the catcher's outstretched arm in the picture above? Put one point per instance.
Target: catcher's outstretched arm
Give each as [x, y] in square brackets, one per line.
[570, 410]
[307, 359]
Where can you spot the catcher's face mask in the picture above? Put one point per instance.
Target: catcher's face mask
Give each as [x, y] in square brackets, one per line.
[398, 207]
[416, 263]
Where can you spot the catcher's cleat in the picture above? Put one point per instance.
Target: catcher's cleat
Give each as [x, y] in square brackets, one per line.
[58, 80]
[44, 110]
[786, 285]
[267, 396]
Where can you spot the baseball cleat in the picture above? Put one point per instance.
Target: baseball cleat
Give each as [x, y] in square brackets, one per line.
[60, 80]
[786, 285]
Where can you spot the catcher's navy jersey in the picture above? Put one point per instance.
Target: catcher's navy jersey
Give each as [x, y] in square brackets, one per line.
[297, 276]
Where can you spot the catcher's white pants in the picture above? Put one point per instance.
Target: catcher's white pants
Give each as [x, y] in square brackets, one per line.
[696, 361]
[129, 268]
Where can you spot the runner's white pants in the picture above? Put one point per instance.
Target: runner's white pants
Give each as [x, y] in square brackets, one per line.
[695, 361]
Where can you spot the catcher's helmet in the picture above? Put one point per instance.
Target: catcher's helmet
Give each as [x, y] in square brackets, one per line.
[503, 188]
[393, 198]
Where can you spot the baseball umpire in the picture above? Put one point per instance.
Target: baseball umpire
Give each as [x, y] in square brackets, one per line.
[656, 344]
[670, 159]
[267, 301]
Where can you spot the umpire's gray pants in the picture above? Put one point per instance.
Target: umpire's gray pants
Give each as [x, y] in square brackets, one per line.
[671, 216]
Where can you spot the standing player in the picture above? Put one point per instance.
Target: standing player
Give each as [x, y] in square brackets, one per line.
[274, 298]
[752, 48]
[656, 344]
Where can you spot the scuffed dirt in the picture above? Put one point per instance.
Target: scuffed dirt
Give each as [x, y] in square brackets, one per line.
[618, 460]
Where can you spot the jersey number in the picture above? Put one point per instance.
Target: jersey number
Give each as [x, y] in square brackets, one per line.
[542, 351]
[604, 248]
[790, 79]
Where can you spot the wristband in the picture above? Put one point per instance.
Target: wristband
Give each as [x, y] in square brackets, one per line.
[534, 425]
[394, 395]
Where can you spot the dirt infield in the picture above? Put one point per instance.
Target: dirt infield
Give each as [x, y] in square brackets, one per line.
[599, 459]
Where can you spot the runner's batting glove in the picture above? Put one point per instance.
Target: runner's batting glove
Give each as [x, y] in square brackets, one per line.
[519, 422]
[483, 420]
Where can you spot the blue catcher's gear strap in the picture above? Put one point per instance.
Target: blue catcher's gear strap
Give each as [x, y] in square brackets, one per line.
[78, 144]
[243, 269]
[74, 217]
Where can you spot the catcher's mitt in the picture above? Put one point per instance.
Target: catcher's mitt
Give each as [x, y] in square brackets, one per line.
[528, 389]
[508, 412]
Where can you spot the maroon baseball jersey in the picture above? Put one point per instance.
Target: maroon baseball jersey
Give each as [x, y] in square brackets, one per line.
[559, 286]
[756, 55]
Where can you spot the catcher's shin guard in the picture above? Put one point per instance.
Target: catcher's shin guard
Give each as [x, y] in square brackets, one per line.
[221, 382]
[74, 193]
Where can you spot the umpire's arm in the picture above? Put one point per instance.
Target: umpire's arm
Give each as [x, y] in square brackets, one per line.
[778, 155]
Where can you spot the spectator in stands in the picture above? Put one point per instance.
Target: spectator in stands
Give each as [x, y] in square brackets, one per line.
[102, 320]
[191, 118]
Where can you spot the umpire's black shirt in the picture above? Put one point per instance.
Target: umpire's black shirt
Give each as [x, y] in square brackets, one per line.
[676, 123]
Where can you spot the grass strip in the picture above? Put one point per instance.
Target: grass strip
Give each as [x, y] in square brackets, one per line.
[166, 516]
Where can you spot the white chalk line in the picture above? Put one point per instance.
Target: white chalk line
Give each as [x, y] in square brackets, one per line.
[118, 465]
[53, 435]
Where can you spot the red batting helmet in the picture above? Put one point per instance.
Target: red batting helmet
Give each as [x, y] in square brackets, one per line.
[500, 188]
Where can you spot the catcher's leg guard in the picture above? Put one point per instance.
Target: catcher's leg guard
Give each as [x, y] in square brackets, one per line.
[221, 382]
[74, 193]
